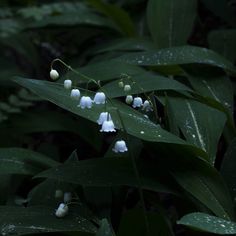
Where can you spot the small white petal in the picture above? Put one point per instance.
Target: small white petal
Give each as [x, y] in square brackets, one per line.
[127, 88]
[67, 84]
[85, 102]
[103, 117]
[129, 99]
[100, 98]
[67, 197]
[138, 102]
[54, 74]
[75, 94]
[108, 126]
[147, 106]
[62, 210]
[121, 84]
[120, 146]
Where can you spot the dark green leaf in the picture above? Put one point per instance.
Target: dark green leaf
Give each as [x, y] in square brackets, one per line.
[105, 229]
[170, 22]
[207, 223]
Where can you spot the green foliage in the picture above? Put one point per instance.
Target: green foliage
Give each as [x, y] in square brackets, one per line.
[179, 166]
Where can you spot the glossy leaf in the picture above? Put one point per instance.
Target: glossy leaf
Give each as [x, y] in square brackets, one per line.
[23, 161]
[144, 82]
[41, 219]
[135, 123]
[200, 124]
[207, 223]
[170, 22]
[106, 172]
[105, 229]
[179, 56]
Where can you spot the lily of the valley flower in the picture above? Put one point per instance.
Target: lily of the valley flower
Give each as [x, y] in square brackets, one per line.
[54, 74]
[127, 88]
[85, 101]
[67, 197]
[100, 98]
[147, 106]
[75, 94]
[62, 210]
[103, 117]
[138, 102]
[129, 99]
[108, 126]
[67, 84]
[120, 146]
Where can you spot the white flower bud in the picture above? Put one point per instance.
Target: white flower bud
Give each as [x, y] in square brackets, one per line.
[121, 84]
[127, 88]
[58, 193]
[67, 84]
[67, 197]
[75, 94]
[103, 117]
[100, 98]
[138, 102]
[54, 74]
[120, 146]
[129, 99]
[62, 210]
[85, 101]
[147, 106]
[108, 126]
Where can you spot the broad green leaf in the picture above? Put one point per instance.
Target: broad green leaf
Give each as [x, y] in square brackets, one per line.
[200, 124]
[208, 223]
[23, 161]
[105, 70]
[170, 22]
[118, 15]
[41, 219]
[223, 42]
[228, 167]
[179, 56]
[135, 123]
[207, 186]
[109, 171]
[144, 82]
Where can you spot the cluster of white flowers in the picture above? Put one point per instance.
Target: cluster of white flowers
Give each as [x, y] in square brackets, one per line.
[63, 208]
[138, 102]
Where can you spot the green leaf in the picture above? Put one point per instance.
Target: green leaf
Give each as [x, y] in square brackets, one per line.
[228, 167]
[179, 56]
[207, 223]
[223, 42]
[144, 82]
[135, 123]
[23, 161]
[170, 22]
[105, 229]
[200, 124]
[118, 15]
[41, 219]
[107, 172]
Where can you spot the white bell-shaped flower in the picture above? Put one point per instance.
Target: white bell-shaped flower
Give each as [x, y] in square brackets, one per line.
[67, 197]
[62, 210]
[129, 99]
[54, 74]
[121, 84]
[103, 117]
[147, 106]
[108, 126]
[127, 88]
[85, 101]
[100, 98]
[67, 84]
[120, 146]
[138, 102]
[75, 94]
